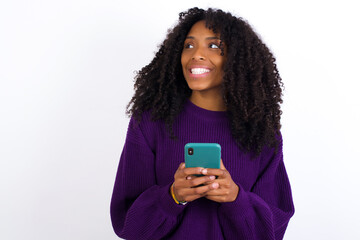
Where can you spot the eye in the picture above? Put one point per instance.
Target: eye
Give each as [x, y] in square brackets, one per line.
[188, 45]
[213, 45]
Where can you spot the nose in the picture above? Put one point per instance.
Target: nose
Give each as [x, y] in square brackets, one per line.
[198, 54]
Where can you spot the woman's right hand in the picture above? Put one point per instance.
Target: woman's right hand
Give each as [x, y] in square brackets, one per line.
[186, 185]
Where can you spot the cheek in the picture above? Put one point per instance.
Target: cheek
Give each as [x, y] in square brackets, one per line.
[221, 65]
[183, 60]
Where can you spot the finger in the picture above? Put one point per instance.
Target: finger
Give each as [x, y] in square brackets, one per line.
[218, 192]
[201, 190]
[192, 181]
[181, 166]
[184, 172]
[221, 173]
[208, 183]
[196, 181]
[223, 182]
[222, 165]
[181, 184]
[192, 171]
[178, 185]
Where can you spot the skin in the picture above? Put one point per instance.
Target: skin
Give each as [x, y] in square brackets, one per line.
[186, 186]
[201, 49]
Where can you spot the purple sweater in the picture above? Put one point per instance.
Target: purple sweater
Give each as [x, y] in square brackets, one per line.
[142, 207]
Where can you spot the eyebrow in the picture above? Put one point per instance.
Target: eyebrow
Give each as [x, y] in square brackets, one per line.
[208, 38]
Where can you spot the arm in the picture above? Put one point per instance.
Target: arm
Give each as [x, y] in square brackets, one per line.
[264, 212]
[140, 209]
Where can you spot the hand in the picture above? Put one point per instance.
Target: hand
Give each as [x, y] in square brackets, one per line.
[223, 188]
[186, 186]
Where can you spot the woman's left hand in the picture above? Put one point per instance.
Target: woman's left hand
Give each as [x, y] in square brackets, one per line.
[225, 188]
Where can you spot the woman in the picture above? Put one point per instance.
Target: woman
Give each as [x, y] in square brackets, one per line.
[212, 80]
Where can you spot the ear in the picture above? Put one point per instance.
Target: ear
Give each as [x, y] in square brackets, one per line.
[222, 165]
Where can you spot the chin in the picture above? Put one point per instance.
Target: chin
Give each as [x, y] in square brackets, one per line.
[202, 87]
[197, 88]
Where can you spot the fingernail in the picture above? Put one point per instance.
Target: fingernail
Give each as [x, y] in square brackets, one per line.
[215, 185]
[212, 177]
[188, 177]
[204, 171]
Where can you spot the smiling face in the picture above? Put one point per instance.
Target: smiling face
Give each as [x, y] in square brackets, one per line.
[201, 59]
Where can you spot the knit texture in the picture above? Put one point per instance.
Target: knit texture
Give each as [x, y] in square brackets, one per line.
[142, 207]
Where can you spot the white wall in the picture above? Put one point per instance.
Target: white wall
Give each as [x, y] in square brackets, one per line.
[66, 71]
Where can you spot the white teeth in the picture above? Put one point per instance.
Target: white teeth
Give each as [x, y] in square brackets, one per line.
[199, 70]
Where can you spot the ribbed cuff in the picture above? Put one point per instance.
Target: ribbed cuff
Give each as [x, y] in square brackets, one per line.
[239, 206]
[168, 204]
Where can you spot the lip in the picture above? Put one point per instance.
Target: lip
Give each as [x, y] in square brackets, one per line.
[198, 75]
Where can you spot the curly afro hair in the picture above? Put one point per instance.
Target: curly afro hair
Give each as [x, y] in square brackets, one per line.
[252, 86]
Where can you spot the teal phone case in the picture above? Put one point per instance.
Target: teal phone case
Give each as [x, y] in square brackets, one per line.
[206, 155]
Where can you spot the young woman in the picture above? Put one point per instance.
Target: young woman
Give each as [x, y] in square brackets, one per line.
[212, 81]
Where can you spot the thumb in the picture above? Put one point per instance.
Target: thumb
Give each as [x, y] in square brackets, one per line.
[222, 165]
[182, 165]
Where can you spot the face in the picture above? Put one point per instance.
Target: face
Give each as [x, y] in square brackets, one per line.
[201, 59]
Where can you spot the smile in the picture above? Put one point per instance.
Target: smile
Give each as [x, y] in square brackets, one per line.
[199, 70]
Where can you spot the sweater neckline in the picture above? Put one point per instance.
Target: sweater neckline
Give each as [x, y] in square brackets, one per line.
[193, 109]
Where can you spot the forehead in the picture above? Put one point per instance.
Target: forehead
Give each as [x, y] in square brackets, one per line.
[200, 29]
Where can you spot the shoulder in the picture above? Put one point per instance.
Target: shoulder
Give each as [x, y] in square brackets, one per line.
[272, 154]
[144, 130]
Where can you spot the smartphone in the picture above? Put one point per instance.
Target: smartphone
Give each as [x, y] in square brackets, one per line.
[206, 155]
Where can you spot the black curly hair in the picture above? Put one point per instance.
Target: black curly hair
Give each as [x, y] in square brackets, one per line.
[252, 86]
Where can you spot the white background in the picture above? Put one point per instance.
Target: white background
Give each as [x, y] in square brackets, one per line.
[66, 72]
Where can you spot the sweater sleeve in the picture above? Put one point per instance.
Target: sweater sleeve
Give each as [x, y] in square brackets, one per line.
[264, 211]
[141, 209]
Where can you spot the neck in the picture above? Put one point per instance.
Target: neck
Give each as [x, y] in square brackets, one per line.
[212, 102]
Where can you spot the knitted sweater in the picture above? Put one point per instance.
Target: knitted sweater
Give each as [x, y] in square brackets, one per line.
[142, 207]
